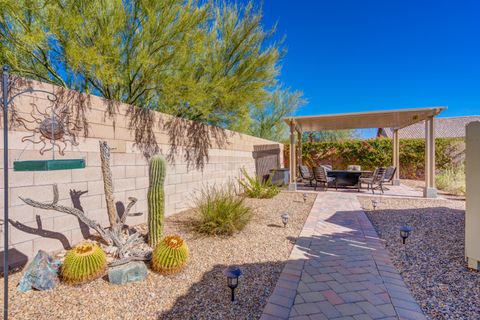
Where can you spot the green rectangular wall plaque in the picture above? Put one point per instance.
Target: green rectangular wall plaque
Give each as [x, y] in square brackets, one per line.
[48, 165]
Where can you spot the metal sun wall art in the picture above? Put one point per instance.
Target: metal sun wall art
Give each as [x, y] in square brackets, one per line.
[50, 129]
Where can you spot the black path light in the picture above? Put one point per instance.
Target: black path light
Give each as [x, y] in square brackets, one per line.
[304, 197]
[285, 218]
[232, 273]
[405, 232]
[374, 204]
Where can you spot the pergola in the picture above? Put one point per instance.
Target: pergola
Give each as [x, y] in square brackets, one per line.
[395, 119]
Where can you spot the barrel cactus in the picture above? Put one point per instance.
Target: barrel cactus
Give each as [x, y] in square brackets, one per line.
[85, 262]
[156, 200]
[170, 255]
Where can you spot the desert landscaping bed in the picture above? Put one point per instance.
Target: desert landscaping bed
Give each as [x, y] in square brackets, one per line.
[200, 291]
[432, 263]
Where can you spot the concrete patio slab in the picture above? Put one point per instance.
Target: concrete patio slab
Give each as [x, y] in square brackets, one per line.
[401, 190]
[340, 269]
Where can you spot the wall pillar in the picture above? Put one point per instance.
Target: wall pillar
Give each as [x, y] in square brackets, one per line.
[293, 174]
[472, 214]
[430, 190]
[396, 157]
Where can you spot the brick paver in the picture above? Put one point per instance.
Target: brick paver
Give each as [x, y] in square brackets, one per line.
[340, 269]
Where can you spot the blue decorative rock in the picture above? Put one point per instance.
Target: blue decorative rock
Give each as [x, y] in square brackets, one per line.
[129, 272]
[41, 273]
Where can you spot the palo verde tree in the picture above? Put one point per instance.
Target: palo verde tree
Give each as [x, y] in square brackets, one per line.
[268, 121]
[204, 61]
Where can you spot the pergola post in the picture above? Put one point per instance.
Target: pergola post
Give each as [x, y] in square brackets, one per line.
[472, 213]
[430, 190]
[293, 174]
[299, 142]
[396, 157]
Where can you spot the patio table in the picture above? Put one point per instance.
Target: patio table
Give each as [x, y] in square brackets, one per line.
[347, 178]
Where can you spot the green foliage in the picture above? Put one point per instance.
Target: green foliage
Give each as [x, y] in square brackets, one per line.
[378, 152]
[255, 187]
[170, 255]
[452, 180]
[221, 211]
[156, 199]
[268, 121]
[83, 263]
[329, 135]
[200, 60]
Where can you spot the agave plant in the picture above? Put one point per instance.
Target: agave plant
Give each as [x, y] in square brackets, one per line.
[255, 187]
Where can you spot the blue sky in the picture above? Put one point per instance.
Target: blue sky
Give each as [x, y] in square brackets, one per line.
[363, 55]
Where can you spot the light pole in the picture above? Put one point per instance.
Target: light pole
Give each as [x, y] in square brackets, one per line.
[6, 102]
[5, 190]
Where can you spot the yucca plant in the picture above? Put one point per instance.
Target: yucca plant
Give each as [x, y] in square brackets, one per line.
[221, 211]
[170, 255]
[254, 187]
[84, 263]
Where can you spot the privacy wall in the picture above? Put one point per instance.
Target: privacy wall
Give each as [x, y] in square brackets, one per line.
[198, 155]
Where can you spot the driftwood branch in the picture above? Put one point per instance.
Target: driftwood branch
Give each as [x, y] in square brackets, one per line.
[54, 206]
[115, 224]
[136, 257]
[129, 207]
[113, 236]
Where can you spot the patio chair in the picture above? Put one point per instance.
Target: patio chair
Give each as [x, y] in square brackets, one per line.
[374, 182]
[389, 174]
[320, 175]
[306, 174]
[327, 166]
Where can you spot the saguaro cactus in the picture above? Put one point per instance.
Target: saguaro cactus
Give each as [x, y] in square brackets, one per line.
[156, 200]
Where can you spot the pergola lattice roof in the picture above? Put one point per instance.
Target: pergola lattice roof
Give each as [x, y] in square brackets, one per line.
[396, 119]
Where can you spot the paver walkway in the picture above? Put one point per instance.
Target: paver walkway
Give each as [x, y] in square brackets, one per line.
[340, 269]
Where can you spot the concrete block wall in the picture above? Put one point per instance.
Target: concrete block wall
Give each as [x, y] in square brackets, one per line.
[34, 229]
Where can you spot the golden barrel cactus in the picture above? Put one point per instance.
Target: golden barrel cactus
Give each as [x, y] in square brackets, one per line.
[85, 262]
[170, 255]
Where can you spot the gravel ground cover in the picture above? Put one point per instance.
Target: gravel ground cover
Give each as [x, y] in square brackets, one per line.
[200, 292]
[432, 262]
[420, 184]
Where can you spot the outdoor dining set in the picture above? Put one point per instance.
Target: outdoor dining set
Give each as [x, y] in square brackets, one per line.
[353, 176]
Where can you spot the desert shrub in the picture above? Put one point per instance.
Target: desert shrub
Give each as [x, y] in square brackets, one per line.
[452, 180]
[378, 152]
[221, 211]
[255, 187]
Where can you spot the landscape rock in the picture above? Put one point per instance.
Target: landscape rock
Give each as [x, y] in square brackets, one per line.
[41, 273]
[129, 272]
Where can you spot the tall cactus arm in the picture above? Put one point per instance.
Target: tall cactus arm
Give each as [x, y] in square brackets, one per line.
[156, 199]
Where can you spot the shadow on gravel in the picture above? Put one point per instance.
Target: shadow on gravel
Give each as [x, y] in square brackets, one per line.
[210, 297]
